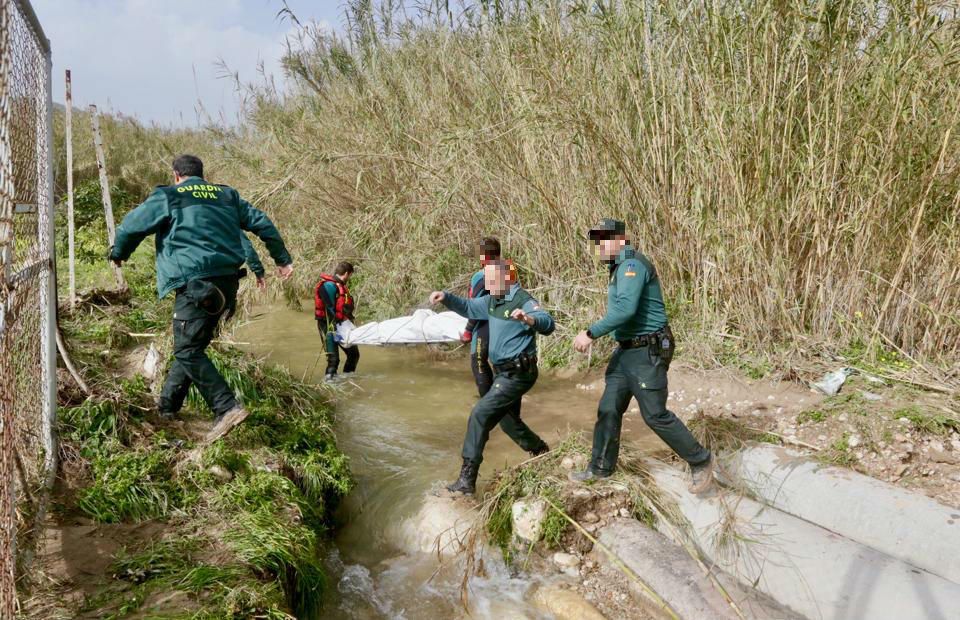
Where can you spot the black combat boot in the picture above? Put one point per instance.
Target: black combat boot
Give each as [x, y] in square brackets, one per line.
[543, 449]
[467, 482]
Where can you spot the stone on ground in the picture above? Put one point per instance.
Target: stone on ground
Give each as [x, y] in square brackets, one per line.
[564, 604]
[528, 517]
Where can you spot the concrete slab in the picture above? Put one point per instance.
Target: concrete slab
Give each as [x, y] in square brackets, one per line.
[666, 568]
[900, 523]
[815, 572]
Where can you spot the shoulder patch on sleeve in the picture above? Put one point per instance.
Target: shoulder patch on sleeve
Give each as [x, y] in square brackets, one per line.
[631, 268]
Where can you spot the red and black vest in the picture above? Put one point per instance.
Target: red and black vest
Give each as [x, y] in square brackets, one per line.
[343, 307]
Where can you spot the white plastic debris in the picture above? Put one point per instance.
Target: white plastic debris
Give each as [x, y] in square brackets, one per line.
[831, 382]
[151, 362]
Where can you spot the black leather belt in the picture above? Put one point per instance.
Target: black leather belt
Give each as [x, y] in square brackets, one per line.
[522, 363]
[640, 341]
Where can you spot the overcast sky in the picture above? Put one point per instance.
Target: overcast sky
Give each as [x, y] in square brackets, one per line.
[153, 59]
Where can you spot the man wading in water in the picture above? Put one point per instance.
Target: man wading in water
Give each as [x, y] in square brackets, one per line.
[199, 231]
[515, 320]
[637, 318]
[332, 305]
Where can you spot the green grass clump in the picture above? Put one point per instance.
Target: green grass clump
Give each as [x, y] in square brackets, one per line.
[321, 475]
[722, 434]
[927, 422]
[851, 403]
[839, 452]
[160, 559]
[90, 425]
[176, 564]
[233, 461]
[267, 541]
[874, 358]
[811, 415]
[515, 484]
[132, 485]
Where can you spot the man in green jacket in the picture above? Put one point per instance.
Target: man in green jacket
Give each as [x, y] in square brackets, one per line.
[637, 319]
[198, 229]
[515, 320]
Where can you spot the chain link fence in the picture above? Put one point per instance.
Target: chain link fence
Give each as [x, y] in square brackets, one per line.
[27, 290]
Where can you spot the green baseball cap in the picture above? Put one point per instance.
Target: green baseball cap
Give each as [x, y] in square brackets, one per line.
[607, 228]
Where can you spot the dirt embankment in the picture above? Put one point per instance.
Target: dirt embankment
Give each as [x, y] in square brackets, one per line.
[891, 431]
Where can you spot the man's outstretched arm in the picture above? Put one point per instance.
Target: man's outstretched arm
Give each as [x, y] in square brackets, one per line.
[146, 219]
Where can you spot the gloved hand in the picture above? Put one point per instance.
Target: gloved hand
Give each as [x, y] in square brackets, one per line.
[466, 337]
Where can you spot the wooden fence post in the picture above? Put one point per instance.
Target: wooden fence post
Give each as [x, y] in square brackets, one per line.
[105, 190]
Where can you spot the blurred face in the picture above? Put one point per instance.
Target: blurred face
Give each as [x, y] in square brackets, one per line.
[496, 279]
[346, 276]
[609, 249]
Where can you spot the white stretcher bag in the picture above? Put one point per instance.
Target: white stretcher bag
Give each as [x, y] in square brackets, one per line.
[424, 326]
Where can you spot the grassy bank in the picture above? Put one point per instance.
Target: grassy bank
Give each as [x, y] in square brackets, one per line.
[235, 528]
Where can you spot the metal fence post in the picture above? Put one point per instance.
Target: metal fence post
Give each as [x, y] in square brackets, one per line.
[8, 518]
[68, 131]
[48, 306]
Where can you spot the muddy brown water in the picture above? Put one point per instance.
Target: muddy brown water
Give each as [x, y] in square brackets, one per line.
[401, 420]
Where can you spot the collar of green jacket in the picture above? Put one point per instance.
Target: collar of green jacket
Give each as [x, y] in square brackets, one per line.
[512, 292]
[626, 253]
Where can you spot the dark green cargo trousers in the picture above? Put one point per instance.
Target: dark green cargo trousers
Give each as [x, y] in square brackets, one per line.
[641, 374]
[501, 405]
[193, 329]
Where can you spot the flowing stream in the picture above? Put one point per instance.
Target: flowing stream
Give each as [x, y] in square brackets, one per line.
[401, 420]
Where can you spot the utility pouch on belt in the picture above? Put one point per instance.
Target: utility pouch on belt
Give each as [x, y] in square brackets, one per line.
[206, 296]
[666, 345]
[522, 363]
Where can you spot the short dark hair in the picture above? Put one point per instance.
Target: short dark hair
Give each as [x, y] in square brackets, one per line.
[343, 268]
[188, 166]
[490, 246]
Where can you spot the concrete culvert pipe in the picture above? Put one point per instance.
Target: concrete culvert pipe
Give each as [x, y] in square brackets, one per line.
[816, 573]
[900, 523]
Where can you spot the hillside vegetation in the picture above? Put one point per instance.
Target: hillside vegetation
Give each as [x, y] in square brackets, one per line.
[791, 168]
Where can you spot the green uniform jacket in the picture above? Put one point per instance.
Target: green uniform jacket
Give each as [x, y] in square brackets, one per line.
[508, 338]
[198, 228]
[634, 299]
[251, 257]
